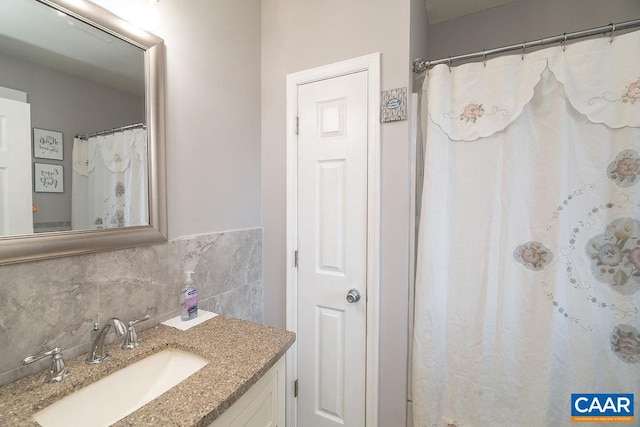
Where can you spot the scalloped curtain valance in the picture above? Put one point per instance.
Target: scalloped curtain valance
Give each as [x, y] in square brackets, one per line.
[600, 79]
[528, 266]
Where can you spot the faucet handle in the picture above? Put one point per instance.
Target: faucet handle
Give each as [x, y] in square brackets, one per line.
[143, 318]
[57, 371]
[131, 338]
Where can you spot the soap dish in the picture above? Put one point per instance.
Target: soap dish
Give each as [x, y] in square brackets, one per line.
[183, 325]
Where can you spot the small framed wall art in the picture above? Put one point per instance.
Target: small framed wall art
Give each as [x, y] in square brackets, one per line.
[394, 105]
[47, 144]
[48, 178]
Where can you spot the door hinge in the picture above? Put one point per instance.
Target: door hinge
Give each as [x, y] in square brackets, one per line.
[296, 125]
[295, 258]
[295, 388]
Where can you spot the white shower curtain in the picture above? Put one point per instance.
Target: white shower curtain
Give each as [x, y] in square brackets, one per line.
[110, 185]
[528, 270]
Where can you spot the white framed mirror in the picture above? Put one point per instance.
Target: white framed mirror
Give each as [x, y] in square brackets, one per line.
[82, 138]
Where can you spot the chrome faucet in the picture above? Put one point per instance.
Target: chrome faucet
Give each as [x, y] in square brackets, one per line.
[96, 354]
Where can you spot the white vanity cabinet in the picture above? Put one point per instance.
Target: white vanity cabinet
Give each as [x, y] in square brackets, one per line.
[263, 405]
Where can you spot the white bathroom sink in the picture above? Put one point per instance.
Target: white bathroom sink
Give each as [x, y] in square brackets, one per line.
[121, 393]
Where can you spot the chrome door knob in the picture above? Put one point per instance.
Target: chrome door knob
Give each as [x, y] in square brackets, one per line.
[353, 296]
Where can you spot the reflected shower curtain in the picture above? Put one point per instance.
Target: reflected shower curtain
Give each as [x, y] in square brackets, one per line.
[528, 269]
[110, 185]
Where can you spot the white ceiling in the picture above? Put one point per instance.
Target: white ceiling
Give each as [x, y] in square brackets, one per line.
[444, 10]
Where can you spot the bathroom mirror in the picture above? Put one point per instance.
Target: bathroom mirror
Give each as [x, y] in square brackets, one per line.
[67, 54]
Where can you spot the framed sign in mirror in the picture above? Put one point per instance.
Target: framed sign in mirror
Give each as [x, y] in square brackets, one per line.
[47, 144]
[48, 178]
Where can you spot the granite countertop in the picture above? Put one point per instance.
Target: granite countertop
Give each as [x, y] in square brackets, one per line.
[239, 353]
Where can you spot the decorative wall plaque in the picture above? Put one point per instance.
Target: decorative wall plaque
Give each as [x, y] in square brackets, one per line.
[394, 105]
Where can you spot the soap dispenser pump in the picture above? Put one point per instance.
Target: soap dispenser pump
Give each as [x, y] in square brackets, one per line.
[189, 298]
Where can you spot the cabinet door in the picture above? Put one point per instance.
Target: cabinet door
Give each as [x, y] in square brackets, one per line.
[263, 405]
[263, 410]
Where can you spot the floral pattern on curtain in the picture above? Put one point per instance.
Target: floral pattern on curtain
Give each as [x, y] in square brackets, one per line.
[528, 269]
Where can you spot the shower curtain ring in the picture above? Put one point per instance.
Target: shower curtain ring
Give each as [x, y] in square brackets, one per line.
[484, 58]
[613, 28]
[428, 67]
[449, 65]
[524, 47]
[563, 43]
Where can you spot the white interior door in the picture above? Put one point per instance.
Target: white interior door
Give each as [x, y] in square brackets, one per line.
[332, 245]
[16, 216]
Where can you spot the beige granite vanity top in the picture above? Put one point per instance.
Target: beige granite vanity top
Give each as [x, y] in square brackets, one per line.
[239, 353]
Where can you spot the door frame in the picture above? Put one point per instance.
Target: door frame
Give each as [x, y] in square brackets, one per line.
[371, 65]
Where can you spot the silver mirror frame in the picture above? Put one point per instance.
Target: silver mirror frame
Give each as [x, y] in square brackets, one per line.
[22, 248]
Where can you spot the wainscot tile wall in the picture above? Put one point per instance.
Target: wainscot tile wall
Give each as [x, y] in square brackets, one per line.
[54, 303]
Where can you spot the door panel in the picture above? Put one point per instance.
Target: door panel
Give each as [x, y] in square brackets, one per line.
[332, 233]
[331, 216]
[330, 362]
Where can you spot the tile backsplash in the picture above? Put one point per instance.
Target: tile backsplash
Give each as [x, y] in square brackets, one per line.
[54, 303]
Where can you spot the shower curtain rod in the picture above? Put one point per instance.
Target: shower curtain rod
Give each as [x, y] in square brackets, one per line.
[420, 65]
[113, 130]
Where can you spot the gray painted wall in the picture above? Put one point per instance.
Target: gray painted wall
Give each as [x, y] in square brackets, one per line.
[71, 105]
[524, 20]
[213, 114]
